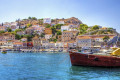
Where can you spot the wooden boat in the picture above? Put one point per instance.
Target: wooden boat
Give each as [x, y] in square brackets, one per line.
[98, 60]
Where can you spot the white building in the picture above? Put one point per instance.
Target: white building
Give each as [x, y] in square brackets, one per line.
[84, 41]
[47, 20]
[24, 39]
[64, 28]
[59, 44]
[61, 22]
[48, 36]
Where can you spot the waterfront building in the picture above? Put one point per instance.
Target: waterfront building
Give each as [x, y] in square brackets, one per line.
[29, 45]
[72, 44]
[84, 41]
[44, 42]
[59, 44]
[91, 40]
[36, 43]
[48, 45]
[2, 43]
[24, 46]
[7, 44]
[17, 45]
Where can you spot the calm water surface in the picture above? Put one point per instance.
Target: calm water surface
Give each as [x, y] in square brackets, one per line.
[49, 66]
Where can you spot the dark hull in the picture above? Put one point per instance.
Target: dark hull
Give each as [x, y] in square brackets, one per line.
[78, 59]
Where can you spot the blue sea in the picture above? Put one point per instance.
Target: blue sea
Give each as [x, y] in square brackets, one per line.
[49, 66]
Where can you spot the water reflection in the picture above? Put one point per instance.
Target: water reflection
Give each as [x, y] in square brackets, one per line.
[94, 73]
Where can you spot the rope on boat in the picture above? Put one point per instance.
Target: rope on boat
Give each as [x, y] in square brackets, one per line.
[63, 60]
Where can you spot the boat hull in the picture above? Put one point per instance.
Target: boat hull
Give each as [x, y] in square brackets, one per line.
[79, 59]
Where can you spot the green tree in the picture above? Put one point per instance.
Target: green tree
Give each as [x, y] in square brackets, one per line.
[2, 32]
[47, 25]
[53, 30]
[58, 26]
[29, 25]
[9, 29]
[29, 17]
[95, 27]
[59, 32]
[34, 18]
[17, 36]
[83, 28]
[18, 30]
[106, 38]
[55, 40]
[42, 35]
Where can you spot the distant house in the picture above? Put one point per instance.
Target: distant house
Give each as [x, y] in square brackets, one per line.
[22, 26]
[29, 31]
[84, 41]
[24, 39]
[61, 22]
[47, 20]
[69, 35]
[21, 32]
[48, 45]
[39, 30]
[73, 26]
[64, 28]
[14, 24]
[3, 28]
[48, 31]
[18, 45]
[13, 27]
[35, 26]
[44, 43]
[91, 40]
[6, 44]
[36, 43]
[2, 43]
[29, 45]
[48, 36]
[6, 24]
[59, 44]
[24, 45]
[7, 37]
[43, 40]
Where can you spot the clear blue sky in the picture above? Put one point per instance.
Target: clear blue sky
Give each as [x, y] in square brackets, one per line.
[91, 12]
